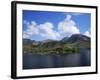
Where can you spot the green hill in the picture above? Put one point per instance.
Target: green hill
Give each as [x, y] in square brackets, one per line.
[71, 44]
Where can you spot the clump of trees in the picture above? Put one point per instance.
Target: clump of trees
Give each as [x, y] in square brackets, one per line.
[54, 48]
[51, 50]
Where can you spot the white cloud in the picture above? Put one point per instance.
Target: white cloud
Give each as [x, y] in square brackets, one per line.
[87, 33]
[44, 30]
[31, 30]
[68, 17]
[47, 31]
[25, 35]
[26, 22]
[68, 27]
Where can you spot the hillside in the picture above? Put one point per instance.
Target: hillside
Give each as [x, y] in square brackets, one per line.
[70, 44]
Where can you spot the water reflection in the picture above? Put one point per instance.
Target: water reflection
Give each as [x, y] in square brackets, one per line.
[33, 61]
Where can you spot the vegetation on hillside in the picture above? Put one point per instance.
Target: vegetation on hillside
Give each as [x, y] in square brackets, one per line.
[72, 45]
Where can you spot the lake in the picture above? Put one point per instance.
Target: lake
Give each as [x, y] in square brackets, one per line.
[37, 61]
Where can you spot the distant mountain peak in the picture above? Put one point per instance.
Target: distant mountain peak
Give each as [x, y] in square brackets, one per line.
[75, 37]
[64, 39]
[47, 40]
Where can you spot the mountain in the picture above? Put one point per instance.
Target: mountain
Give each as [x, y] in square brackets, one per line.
[46, 41]
[64, 39]
[76, 38]
[28, 41]
[72, 43]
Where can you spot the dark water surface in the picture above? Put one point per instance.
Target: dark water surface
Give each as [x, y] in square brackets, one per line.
[36, 61]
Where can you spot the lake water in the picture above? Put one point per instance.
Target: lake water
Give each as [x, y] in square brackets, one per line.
[37, 61]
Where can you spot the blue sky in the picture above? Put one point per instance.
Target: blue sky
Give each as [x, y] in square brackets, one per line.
[42, 25]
